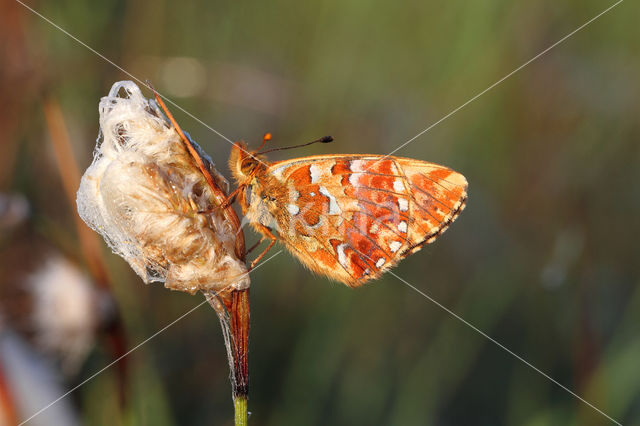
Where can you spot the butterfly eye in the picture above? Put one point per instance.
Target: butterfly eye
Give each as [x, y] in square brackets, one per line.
[247, 165]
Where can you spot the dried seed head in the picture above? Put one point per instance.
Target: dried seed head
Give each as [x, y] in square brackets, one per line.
[144, 194]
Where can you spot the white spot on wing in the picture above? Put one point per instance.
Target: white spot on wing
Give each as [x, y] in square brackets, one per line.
[315, 173]
[333, 203]
[380, 262]
[403, 204]
[357, 165]
[278, 172]
[353, 179]
[293, 209]
[342, 257]
[398, 186]
[402, 226]
[395, 246]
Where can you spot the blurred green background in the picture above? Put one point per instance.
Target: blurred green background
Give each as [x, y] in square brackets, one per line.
[544, 259]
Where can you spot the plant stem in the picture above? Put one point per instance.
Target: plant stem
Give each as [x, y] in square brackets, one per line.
[233, 311]
[239, 322]
[239, 316]
[240, 407]
[232, 306]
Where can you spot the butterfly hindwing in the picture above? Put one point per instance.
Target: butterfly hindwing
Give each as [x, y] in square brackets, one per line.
[352, 217]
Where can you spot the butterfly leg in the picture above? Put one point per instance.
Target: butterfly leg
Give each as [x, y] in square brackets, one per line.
[266, 232]
[253, 247]
[231, 198]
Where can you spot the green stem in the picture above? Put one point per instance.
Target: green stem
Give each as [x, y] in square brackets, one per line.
[240, 407]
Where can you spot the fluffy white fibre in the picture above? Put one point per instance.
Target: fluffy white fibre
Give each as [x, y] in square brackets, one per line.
[144, 194]
[64, 311]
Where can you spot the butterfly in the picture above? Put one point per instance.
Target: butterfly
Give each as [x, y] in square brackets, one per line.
[349, 217]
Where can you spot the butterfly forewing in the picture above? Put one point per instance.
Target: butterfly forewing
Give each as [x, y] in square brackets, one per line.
[352, 217]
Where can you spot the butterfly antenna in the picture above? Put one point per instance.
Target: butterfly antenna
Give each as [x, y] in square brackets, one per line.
[267, 137]
[324, 139]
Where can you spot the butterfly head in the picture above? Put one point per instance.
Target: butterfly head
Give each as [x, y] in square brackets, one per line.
[244, 164]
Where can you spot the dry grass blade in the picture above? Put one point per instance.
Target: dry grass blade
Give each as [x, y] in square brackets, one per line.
[89, 241]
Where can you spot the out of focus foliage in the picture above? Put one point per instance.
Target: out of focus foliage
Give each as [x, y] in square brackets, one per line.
[544, 259]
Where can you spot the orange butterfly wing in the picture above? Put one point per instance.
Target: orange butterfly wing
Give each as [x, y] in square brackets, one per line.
[351, 217]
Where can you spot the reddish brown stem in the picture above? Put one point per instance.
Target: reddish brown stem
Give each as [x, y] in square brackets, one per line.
[233, 310]
[240, 321]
